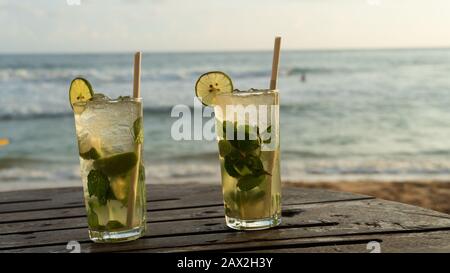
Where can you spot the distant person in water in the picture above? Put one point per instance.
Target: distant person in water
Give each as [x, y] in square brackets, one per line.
[303, 77]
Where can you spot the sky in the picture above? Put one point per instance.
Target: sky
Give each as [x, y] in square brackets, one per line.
[46, 26]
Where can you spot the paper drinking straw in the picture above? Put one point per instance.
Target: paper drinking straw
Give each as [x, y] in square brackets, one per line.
[137, 75]
[273, 81]
[276, 59]
[135, 175]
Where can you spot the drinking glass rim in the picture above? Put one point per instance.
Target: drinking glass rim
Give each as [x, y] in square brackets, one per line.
[250, 92]
[116, 100]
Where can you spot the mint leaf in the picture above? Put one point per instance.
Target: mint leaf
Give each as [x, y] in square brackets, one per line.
[247, 145]
[110, 194]
[251, 139]
[242, 156]
[266, 135]
[242, 168]
[142, 173]
[114, 225]
[226, 127]
[248, 182]
[225, 147]
[138, 131]
[255, 164]
[118, 164]
[256, 152]
[98, 185]
[228, 164]
[250, 132]
[232, 199]
[141, 185]
[92, 217]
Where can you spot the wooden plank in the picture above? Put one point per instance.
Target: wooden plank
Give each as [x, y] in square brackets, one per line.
[69, 198]
[205, 196]
[26, 227]
[161, 230]
[170, 190]
[81, 222]
[359, 217]
[200, 194]
[423, 242]
[364, 217]
[38, 194]
[434, 241]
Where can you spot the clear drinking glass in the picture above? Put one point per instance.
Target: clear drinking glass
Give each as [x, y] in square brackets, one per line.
[110, 139]
[247, 128]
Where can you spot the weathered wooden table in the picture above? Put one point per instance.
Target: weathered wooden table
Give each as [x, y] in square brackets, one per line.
[190, 218]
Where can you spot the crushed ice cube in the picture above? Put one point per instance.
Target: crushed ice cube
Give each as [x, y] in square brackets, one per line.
[249, 90]
[123, 98]
[100, 97]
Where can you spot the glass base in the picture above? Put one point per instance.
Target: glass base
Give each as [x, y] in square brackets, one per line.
[258, 224]
[118, 236]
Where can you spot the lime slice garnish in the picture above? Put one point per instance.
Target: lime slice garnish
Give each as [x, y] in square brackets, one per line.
[119, 186]
[210, 84]
[80, 91]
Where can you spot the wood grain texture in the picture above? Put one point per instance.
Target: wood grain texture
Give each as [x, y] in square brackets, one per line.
[190, 218]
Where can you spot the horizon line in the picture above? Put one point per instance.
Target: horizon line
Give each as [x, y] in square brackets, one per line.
[227, 51]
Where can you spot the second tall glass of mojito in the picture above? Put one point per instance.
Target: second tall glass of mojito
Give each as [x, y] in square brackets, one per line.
[110, 138]
[247, 128]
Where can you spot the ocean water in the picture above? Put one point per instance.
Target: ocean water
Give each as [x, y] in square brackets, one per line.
[377, 114]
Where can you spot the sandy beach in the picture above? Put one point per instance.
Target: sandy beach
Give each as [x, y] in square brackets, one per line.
[428, 194]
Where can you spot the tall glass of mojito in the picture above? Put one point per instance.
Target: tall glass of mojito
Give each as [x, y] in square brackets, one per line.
[247, 128]
[110, 137]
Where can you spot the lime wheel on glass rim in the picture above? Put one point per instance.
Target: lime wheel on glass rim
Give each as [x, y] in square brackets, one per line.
[210, 84]
[80, 91]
